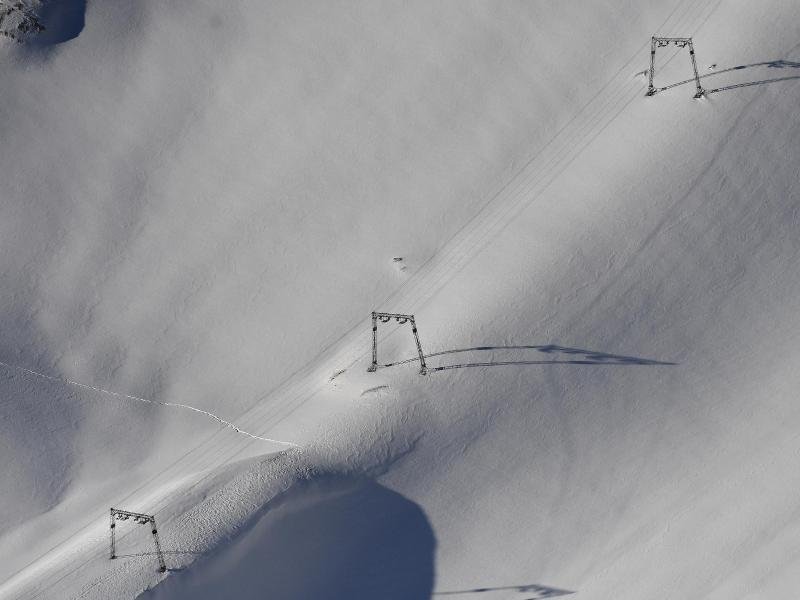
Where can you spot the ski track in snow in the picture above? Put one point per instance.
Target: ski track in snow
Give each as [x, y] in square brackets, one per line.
[100, 390]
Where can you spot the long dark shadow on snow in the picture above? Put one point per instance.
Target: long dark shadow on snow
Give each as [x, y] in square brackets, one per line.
[540, 591]
[773, 64]
[748, 84]
[583, 357]
[536, 362]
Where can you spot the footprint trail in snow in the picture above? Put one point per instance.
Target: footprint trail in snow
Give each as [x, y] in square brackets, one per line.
[139, 399]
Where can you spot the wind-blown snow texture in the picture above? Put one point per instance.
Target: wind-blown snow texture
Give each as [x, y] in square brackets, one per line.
[201, 203]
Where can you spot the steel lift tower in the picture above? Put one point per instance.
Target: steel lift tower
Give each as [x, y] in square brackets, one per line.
[385, 318]
[662, 42]
[139, 519]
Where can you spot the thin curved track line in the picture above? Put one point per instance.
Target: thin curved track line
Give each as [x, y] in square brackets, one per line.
[100, 390]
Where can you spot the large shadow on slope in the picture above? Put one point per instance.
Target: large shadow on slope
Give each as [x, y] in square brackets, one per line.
[63, 20]
[335, 538]
[558, 355]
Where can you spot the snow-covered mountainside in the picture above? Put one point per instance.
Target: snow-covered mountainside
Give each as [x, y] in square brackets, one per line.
[202, 202]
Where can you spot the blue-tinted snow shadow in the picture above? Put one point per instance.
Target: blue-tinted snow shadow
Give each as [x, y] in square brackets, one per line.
[63, 20]
[336, 538]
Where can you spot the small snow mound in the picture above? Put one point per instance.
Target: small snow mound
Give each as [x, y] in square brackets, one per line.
[398, 263]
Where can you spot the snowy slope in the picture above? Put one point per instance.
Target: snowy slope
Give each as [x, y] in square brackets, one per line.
[194, 218]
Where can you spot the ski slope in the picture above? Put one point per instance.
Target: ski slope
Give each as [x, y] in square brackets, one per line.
[604, 284]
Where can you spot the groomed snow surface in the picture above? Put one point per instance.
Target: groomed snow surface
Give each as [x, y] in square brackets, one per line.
[202, 202]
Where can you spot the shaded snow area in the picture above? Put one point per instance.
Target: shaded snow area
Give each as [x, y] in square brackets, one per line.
[360, 539]
[201, 204]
